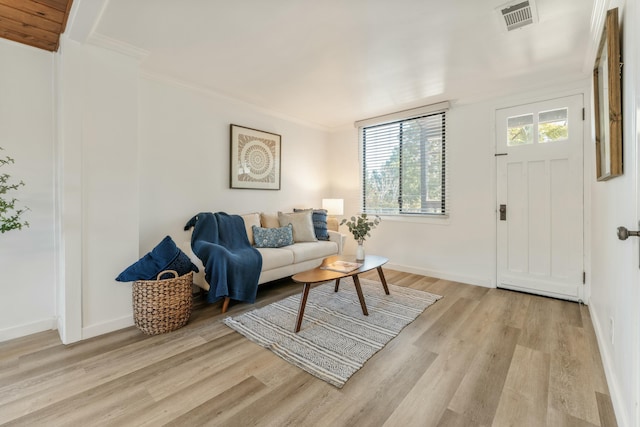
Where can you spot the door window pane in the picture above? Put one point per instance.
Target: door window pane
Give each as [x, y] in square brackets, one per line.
[553, 125]
[520, 130]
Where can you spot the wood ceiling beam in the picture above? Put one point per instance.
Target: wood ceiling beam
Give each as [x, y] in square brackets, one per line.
[29, 19]
[60, 5]
[36, 8]
[37, 23]
[28, 40]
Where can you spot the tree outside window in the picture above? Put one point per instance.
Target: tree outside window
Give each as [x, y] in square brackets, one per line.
[404, 166]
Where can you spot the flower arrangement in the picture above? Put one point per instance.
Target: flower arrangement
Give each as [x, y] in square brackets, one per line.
[361, 226]
[9, 215]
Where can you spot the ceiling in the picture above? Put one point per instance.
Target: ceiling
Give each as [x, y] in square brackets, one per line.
[333, 62]
[35, 23]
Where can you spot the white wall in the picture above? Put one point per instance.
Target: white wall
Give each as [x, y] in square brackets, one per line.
[110, 162]
[120, 184]
[616, 277]
[68, 198]
[98, 183]
[459, 248]
[27, 257]
[462, 247]
[184, 160]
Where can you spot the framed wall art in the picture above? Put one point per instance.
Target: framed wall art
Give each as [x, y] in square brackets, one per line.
[255, 159]
[607, 93]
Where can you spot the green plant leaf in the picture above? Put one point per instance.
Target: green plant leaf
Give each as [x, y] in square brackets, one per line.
[9, 215]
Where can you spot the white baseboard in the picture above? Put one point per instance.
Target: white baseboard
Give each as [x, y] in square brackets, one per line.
[454, 277]
[28, 329]
[106, 327]
[614, 388]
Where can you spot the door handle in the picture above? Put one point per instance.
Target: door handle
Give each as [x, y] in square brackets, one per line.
[503, 212]
[624, 234]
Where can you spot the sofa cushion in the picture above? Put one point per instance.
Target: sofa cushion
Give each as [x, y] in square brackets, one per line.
[275, 257]
[273, 237]
[302, 225]
[250, 220]
[310, 250]
[269, 220]
[319, 219]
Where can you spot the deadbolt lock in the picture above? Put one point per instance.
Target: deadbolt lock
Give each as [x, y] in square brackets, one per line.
[503, 212]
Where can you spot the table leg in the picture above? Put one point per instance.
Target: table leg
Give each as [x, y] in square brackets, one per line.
[383, 280]
[303, 303]
[356, 282]
[337, 284]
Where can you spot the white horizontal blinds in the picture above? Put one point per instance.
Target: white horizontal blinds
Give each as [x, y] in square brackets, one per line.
[404, 166]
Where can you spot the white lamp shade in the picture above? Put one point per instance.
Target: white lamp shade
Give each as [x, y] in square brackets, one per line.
[333, 206]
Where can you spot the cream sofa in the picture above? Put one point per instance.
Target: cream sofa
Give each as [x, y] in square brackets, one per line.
[278, 263]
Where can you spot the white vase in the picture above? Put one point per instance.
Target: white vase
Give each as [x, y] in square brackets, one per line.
[360, 252]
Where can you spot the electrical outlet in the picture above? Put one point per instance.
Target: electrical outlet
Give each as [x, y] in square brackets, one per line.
[611, 329]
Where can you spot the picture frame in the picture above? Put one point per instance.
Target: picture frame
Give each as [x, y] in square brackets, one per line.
[255, 159]
[607, 76]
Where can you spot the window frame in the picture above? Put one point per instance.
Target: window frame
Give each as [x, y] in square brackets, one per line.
[421, 112]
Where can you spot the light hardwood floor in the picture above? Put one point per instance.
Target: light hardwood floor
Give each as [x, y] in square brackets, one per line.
[477, 357]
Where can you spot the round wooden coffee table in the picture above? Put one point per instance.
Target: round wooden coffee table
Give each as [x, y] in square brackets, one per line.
[319, 275]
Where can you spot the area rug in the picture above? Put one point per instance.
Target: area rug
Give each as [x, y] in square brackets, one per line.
[335, 339]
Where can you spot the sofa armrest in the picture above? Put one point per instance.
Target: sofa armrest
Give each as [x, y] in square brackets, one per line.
[339, 238]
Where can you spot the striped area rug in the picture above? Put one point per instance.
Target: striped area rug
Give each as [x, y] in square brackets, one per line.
[335, 339]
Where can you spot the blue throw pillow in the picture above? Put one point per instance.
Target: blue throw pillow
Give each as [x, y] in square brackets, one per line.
[319, 218]
[165, 256]
[273, 237]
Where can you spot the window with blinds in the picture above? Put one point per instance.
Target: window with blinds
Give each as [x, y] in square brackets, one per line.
[404, 166]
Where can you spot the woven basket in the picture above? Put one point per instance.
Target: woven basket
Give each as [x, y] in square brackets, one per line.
[161, 306]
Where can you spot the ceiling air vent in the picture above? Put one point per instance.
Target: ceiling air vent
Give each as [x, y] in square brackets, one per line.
[518, 14]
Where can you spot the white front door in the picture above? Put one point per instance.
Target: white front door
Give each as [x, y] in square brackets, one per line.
[540, 197]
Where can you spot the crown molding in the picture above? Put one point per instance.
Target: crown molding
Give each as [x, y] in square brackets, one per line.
[169, 80]
[116, 45]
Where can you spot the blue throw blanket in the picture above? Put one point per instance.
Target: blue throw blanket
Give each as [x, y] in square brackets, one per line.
[232, 265]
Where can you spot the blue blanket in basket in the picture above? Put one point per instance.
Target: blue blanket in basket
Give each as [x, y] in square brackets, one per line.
[232, 265]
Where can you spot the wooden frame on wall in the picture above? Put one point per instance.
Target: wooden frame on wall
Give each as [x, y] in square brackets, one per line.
[255, 159]
[607, 92]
